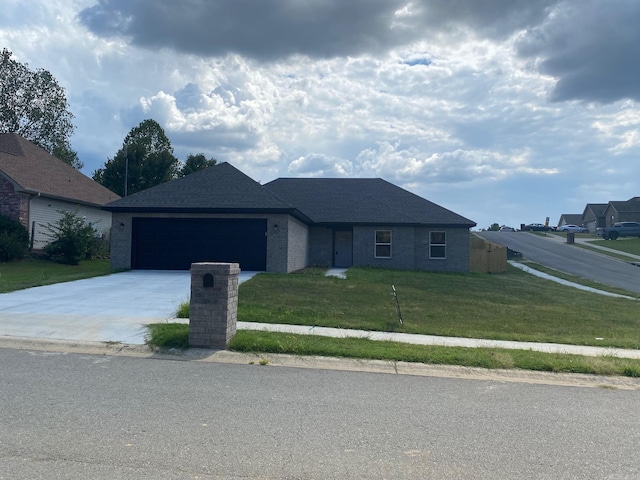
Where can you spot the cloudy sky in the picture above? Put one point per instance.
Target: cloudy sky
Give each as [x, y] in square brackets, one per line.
[506, 111]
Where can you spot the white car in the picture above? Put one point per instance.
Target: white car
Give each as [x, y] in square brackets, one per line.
[572, 228]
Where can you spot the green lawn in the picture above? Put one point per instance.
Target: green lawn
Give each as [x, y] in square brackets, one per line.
[627, 245]
[510, 306]
[33, 272]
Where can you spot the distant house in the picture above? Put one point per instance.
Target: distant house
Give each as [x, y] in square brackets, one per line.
[622, 211]
[35, 186]
[593, 216]
[220, 214]
[570, 219]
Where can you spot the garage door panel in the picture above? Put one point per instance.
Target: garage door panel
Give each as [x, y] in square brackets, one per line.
[176, 243]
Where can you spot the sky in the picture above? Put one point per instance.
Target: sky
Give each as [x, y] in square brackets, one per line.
[503, 111]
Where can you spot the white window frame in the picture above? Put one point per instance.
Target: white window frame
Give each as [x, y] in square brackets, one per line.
[382, 244]
[438, 246]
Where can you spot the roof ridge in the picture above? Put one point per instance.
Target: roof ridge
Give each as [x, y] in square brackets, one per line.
[10, 143]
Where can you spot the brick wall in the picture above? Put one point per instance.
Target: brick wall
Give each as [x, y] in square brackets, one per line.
[14, 205]
[298, 245]
[410, 249]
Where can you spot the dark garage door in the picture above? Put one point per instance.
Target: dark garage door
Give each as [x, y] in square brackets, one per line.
[176, 243]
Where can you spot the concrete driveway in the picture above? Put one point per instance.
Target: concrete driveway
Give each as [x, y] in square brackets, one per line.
[112, 308]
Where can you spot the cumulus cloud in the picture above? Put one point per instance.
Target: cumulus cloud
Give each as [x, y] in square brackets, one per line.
[591, 48]
[317, 165]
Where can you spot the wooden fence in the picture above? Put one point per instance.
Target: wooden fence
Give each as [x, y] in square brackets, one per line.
[487, 257]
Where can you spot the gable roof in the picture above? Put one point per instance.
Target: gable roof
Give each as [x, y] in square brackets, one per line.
[361, 201]
[596, 208]
[219, 188]
[570, 219]
[32, 169]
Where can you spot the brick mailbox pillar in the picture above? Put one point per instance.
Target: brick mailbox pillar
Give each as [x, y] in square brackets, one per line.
[214, 304]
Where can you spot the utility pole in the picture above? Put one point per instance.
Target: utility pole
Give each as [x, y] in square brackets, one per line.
[126, 168]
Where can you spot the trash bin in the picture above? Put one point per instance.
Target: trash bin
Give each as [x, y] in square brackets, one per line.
[571, 237]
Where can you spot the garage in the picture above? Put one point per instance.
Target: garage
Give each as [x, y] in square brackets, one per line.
[176, 243]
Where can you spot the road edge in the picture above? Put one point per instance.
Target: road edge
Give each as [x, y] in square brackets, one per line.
[266, 360]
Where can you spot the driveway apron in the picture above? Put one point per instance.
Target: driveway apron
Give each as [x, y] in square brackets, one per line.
[112, 308]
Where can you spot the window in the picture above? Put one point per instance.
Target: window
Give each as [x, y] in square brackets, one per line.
[383, 243]
[437, 245]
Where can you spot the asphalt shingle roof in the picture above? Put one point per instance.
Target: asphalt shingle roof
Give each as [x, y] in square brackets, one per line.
[224, 188]
[221, 187]
[628, 206]
[32, 169]
[361, 201]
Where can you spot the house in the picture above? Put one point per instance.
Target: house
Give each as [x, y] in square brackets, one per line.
[570, 219]
[35, 186]
[220, 214]
[622, 211]
[593, 216]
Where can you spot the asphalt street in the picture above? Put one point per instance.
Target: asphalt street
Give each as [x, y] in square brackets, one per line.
[556, 253]
[78, 416]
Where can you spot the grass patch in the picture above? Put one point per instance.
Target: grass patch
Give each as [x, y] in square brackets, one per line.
[168, 335]
[34, 272]
[271, 342]
[251, 341]
[627, 245]
[510, 306]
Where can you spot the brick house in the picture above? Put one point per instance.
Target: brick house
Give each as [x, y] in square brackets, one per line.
[622, 211]
[35, 186]
[220, 214]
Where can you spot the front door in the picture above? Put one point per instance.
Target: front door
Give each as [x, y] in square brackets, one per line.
[343, 248]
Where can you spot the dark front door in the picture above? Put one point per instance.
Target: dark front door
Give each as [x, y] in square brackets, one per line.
[343, 248]
[176, 243]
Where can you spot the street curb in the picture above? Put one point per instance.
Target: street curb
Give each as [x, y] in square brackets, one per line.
[266, 360]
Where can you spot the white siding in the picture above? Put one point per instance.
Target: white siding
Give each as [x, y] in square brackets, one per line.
[44, 211]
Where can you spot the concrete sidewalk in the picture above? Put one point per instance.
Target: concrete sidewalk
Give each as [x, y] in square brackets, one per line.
[443, 341]
[588, 242]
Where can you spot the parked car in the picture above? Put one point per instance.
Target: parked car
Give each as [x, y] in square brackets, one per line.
[505, 228]
[620, 229]
[536, 227]
[572, 228]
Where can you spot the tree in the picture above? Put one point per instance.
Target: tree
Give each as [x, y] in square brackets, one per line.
[193, 163]
[72, 239]
[494, 227]
[34, 105]
[145, 160]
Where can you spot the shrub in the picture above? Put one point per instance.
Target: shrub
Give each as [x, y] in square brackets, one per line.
[72, 239]
[14, 239]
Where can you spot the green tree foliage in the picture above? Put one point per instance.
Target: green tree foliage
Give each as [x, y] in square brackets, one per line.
[72, 239]
[34, 105]
[14, 239]
[193, 163]
[494, 227]
[145, 160]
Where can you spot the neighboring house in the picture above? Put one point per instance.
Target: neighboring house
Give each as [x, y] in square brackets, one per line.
[570, 219]
[622, 211]
[35, 186]
[220, 214]
[593, 216]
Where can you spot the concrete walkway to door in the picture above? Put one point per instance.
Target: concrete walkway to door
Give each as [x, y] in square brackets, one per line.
[110, 308]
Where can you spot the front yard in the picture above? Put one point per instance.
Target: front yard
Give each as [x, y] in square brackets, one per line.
[510, 306]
